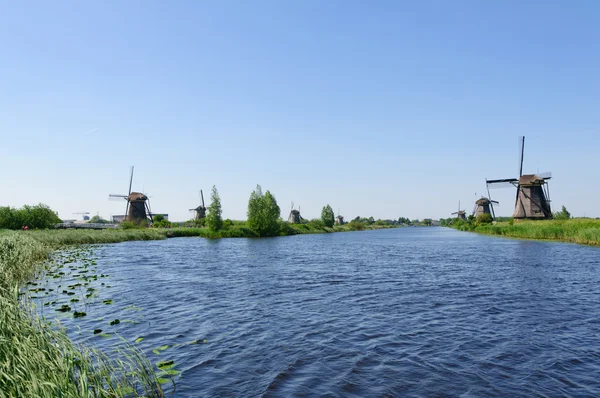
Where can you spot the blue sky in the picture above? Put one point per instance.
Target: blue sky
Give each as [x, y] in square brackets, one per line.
[383, 108]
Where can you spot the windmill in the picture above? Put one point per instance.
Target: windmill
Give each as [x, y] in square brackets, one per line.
[460, 214]
[295, 217]
[339, 220]
[484, 206]
[200, 210]
[138, 204]
[533, 196]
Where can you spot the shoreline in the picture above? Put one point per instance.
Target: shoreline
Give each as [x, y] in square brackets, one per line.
[580, 231]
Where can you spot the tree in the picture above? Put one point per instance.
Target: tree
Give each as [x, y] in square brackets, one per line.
[562, 215]
[158, 218]
[263, 213]
[34, 217]
[327, 216]
[98, 220]
[213, 218]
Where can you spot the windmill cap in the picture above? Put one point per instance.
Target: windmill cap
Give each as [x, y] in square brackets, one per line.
[530, 179]
[137, 196]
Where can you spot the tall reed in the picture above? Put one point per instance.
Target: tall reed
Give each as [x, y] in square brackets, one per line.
[36, 358]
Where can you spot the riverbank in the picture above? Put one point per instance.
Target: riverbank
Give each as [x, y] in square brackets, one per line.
[286, 229]
[584, 231]
[38, 359]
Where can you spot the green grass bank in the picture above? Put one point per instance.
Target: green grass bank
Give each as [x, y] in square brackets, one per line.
[576, 230]
[36, 358]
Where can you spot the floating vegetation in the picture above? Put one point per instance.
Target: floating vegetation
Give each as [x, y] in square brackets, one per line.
[115, 322]
[165, 364]
[158, 350]
[74, 300]
[107, 302]
[139, 340]
[77, 314]
[64, 308]
[97, 331]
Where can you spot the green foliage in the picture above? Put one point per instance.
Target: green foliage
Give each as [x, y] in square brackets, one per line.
[263, 213]
[133, 224]
[214, 221]
[98, 220]
[403, 220]
[34, 217]
[562, 215]
[38, 360]
[327, 216]
[356, 225]
[227, 223]
[316, 223]
[162, 224]
[158, 218]
[483, 219]
[427, 221]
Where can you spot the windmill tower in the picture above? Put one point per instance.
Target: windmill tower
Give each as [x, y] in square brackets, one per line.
[533, 195]
[339, 220]
[460, 214]
[200, 210]
[295, 217]
[484, 206]
[138, 204]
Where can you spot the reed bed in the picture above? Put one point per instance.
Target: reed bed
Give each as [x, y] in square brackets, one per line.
[36, 358]
[579, 230]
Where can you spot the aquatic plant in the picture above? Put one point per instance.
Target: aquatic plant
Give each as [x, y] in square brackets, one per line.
[38, 359]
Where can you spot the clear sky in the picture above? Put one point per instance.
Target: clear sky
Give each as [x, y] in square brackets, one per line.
[379, 108]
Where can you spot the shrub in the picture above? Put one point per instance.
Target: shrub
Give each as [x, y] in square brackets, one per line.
[484, 218]
[35, 217]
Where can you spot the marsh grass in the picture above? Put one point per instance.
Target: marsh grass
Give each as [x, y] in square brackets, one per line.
[37, 359]
[578, 230]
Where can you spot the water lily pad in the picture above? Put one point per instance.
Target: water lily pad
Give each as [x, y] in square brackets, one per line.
[115, 322]
[165, 364]
[107, 302]
[139, 340]
[97, 331]
[77, 314]
[64, 308]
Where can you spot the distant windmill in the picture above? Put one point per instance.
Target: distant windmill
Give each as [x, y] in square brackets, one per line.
[484, 206]
[460, 214]
[200, 210]
[533, 195]
[138, 204]
[339, 220]
[295, 217]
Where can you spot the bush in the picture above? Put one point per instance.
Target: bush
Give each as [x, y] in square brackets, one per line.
[316, 223]
[562, 215]
[484, 218]
[34, 217]
[158, 218]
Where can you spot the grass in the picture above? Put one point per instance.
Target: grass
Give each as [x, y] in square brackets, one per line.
[36, 358]
[576, 230]
[240, 230]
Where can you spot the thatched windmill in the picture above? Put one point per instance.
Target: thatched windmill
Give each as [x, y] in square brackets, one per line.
[484, 206]
[460, 214]
[295, 217]
[138, 204]
[200, 210]
[533, 196]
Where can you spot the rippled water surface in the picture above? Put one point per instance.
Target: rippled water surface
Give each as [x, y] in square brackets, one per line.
[402, 312]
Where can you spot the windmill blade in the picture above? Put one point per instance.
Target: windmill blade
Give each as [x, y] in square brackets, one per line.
[521, 153]
[502, 183]
[115, 197]
[130, 180]
[456, 212]
[202, 197]
[496, 202]
[546, 175]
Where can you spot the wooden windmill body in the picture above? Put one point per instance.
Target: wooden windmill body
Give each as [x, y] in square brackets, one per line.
[295, 217]
[138, 205]
[200, 210]
[484, 206]
[533, 196]
[460, 214]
